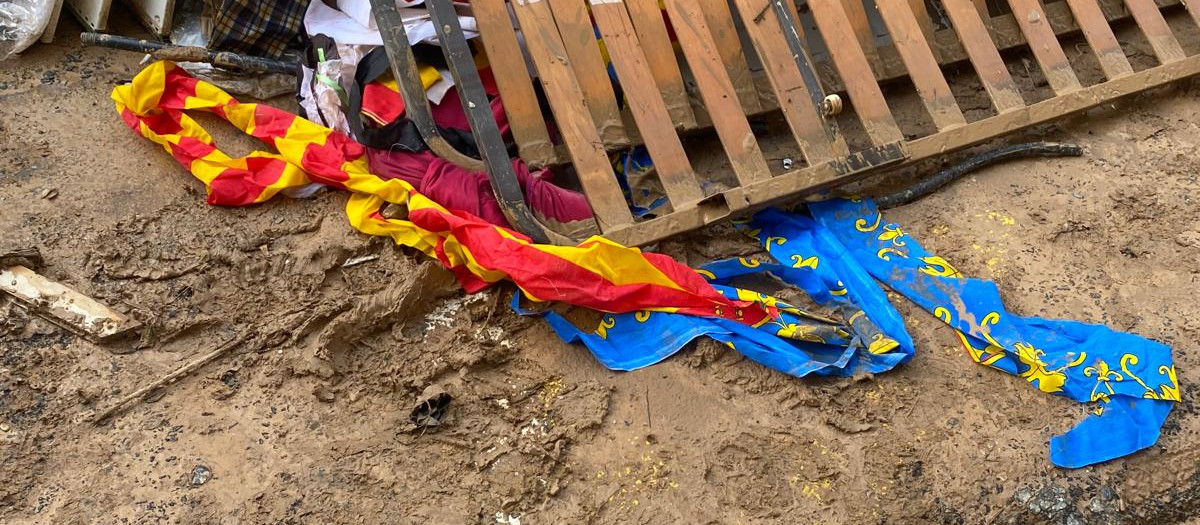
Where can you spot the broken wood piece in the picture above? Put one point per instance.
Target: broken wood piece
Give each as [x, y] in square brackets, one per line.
[184, 370]
[63, 306]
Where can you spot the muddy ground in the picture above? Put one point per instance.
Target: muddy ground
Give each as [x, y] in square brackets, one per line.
[310, 422]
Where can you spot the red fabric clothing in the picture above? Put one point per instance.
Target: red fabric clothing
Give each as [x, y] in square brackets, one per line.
[458, 188]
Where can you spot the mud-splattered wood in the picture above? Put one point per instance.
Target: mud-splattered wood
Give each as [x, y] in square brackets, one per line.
[512, 77]
[574, 122]
[1154, 26]
[64, 306]
[1051, 109]
[856, 13]
[579, 38]
[984, 56]
[855, 71]
[645, 104]
[1044, 44]
[921, 12]
[794, 98]
[1100, 37]
[718, 92]
[909, 41]
[1193, 8]
[660, 54]
[729, 46]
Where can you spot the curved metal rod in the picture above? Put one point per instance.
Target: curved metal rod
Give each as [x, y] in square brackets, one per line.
[488, 139]
[408, 79]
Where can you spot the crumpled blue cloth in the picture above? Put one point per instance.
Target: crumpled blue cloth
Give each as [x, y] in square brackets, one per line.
[835, 254]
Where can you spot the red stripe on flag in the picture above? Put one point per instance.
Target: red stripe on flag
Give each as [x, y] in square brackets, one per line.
[552, 278]
[324, 162]
[132, 120]
[271, 123]
[241, 187]
[188, 149]
[178, 87]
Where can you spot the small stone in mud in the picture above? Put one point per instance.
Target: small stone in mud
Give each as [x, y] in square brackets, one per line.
[324, 395]
[200, 475]
[1024, 494]
[4, 427]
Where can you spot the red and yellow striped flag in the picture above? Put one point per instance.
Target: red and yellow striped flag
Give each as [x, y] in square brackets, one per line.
[597, 274]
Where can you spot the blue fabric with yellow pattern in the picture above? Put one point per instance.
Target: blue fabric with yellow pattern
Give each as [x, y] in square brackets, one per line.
[835, 254]
[1132, 378]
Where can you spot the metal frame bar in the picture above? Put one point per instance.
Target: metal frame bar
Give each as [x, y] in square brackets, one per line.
[490, 142]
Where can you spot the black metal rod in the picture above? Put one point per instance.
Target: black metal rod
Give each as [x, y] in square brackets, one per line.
[812, 82]
[408, 79]
[163, 51]
[488, 139]
[987, 158]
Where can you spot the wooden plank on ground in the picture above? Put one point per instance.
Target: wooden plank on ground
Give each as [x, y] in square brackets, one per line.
[1101, 38]
[574, 122]
[1044, 44]
[923, 71]
[647, 106]
[1154, 26]
[729, 45]
[984, 56]
[575, 28]
[717, 90]
[855, 71]
[512, 77]
[656, 44]
[63, 306]
[794, 98]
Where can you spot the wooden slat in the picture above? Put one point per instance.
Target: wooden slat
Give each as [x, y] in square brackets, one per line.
[794, 98]
[653, 121]
[1101, 38]
[575, 28]
[855, 71]
[717, 90]
[857, 14]
[811, 179]
[1148, 17]
[1044, 44]
[984, 56]
[909, 41]
[921, 12]
[652, 31]
[729, 45]
[512, 77]
[1193, 8]
[574, 123]
[1051, 109]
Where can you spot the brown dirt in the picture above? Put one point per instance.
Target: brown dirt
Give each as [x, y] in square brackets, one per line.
[310, 422]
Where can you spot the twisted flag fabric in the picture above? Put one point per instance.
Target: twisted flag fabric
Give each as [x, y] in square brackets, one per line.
[597, 274]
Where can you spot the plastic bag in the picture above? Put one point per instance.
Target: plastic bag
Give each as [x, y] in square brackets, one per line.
[22, 23]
